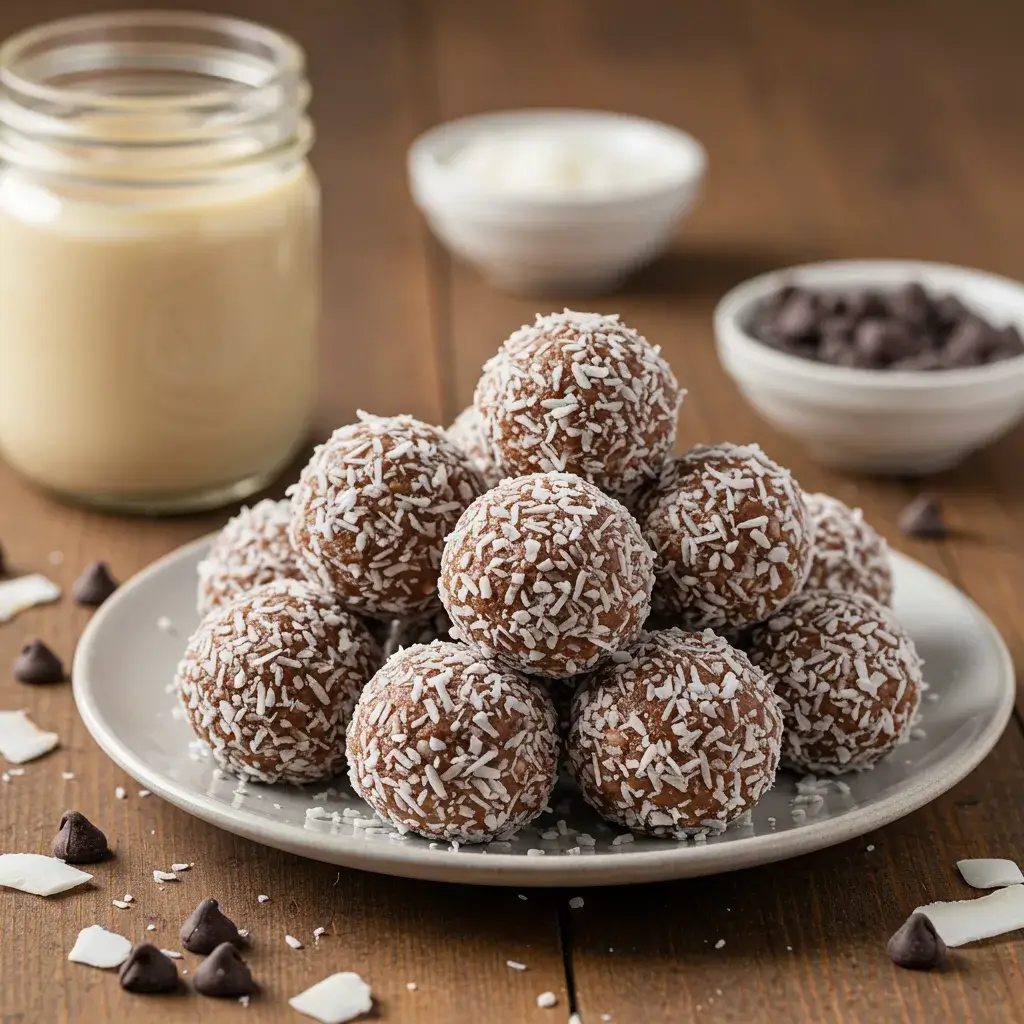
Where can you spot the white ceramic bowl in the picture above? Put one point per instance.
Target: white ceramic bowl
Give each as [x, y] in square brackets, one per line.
[542, 244]
[878, 421]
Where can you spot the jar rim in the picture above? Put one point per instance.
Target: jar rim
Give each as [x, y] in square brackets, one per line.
[287, 58]
[152, 97]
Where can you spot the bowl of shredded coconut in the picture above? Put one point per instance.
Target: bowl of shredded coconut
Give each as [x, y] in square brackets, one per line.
[541, 200]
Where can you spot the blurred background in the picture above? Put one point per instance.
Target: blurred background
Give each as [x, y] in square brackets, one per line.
[859, 128]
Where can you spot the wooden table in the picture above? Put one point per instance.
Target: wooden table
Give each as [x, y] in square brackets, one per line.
[854, 128]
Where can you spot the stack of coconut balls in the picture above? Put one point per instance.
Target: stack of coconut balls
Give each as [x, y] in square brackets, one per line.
[548, 580]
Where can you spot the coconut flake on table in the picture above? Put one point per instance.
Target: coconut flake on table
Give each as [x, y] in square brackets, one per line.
[18, 595]
[293, 942]
[338, 998]
[986, 873]
[164, 876]
[962, 921]
[96, 947]
[21, 739]
[39, 875]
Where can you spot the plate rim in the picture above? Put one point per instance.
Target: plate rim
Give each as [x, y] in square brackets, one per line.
[446, 865]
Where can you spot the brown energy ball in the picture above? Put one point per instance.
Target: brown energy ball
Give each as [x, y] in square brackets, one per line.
[732, 537]
[679, 734]
[372, 509]
[251, 549]
[269, 682]
[847, 677]
[467, 434]
[580, 393]
[547, 574]
[451, 745]
[849, 555]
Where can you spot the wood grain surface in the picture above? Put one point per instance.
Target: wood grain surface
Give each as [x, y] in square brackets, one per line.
[840, 129]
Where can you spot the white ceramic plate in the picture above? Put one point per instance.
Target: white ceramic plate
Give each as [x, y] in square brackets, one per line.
[126, 662]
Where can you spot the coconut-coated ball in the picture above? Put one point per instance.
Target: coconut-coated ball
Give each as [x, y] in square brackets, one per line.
[849, 554]
[269, 682]
[453, 746]
[580, 393]
[677, 735]
[372, 509]
[251, 549]
[847, 676]
[548, 574]
[732, 536]
[467, 434]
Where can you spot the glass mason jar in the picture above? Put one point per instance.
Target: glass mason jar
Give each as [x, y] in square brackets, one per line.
[159, 258]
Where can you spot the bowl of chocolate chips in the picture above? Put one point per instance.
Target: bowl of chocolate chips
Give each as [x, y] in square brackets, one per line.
[880, 366]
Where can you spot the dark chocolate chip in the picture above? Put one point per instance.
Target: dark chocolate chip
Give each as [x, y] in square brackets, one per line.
[778, 299]
[910, 304]
[928, 360]
[969, 343]
[837, 350]
[871, 339]
[79, 841]
[224, 974]
[949, 309]
[799, 316]
[95, 585]
[1009, 341]
[843, 325]
[917, 945]
[208, 927]
[37, 664]
[835, 304]
[884, 341]
[871, 304]
[147, 970]
[1003, 353]
[923, 517]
